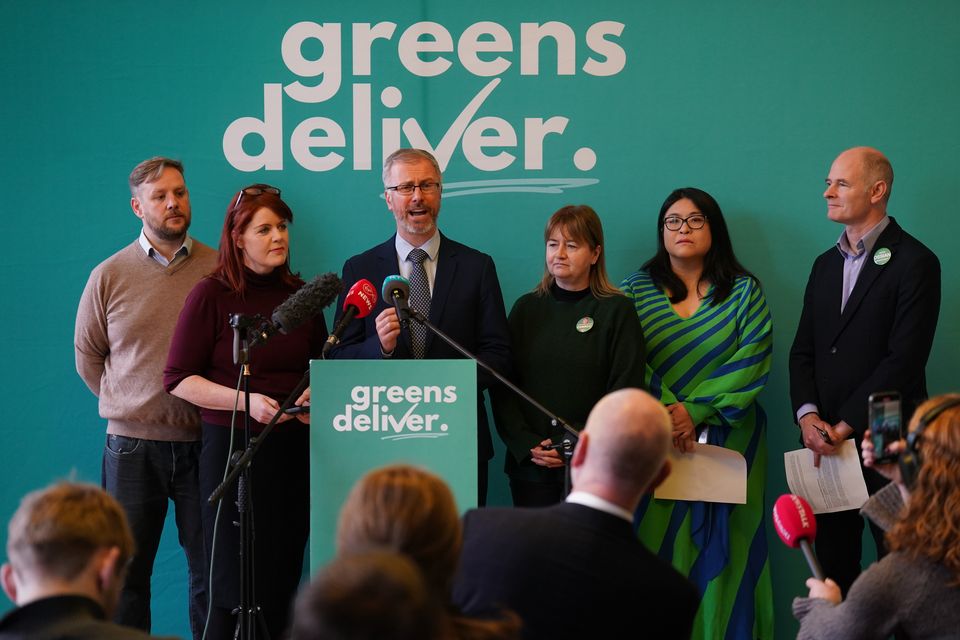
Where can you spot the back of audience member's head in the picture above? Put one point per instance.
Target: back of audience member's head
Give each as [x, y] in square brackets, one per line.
[628, 439]
[930, 526]
[409, 510]
[372, 595]
[412, 511]
[56, 533]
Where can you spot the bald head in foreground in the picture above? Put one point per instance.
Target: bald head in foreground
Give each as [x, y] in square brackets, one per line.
[576, 569]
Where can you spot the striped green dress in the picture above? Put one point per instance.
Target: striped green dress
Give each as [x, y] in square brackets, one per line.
[716, 362]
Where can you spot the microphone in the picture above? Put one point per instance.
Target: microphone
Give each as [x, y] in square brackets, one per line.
[358, 303]
[303, 304]
[306, 302]
[793, 519]
[397, 290]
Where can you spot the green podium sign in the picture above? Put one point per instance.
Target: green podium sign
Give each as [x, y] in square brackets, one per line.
[369, 413]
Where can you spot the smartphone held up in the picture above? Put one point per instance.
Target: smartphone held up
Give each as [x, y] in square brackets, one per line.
[885, 418]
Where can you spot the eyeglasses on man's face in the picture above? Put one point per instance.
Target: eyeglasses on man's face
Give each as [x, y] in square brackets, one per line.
[675, 223]
[255, 191]
[407, 188]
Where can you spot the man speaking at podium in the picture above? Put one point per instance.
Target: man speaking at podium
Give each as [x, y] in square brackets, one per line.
[456, 287]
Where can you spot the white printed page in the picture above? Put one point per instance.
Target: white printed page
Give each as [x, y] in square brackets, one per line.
[707, 474]
[837, 485]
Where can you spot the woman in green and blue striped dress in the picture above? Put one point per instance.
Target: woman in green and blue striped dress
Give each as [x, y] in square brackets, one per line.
[708, 337]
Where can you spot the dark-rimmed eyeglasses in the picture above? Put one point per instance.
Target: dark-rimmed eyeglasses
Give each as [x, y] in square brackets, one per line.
[675, 223]
[254, 191]
[407, 188]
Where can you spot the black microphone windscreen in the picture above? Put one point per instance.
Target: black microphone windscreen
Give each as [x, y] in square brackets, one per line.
[308, 301]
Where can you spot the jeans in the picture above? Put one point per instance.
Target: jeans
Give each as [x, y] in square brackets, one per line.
[143, 475]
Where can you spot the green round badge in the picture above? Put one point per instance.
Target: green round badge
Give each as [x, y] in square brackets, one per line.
[584, 324]
[881, 256]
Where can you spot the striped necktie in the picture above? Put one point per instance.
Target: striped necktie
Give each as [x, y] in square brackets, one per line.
[419, 301]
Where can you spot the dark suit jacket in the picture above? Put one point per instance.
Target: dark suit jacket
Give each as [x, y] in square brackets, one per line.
[570, 571]
[880, 342]
[71, 617]
[466, 304]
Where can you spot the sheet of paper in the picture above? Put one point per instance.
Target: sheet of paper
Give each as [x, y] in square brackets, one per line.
[708, 474]
[836, 486]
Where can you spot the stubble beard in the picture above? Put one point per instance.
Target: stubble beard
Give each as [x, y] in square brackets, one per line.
[420, 230]
[162, 232]
[419, 226]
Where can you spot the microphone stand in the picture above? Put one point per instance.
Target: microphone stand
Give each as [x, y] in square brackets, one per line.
[249, 612]
[242, 462]
[247, 609]
[571, 435]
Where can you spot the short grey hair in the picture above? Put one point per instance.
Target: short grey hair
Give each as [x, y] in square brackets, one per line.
[408, 155]
[876, 167]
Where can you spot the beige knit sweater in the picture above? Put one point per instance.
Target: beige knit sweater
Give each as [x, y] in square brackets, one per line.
[124, 323]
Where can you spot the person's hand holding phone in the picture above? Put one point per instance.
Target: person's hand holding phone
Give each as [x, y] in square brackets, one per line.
[884, 422]
[889, 470]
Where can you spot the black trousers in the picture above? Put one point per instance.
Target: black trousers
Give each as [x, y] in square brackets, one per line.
[279, 491]
[839, 543]
[530, 493]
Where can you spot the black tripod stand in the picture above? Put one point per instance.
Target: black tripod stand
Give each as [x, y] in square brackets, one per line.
[250, 618]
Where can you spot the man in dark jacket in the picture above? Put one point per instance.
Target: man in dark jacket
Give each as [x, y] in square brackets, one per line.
[577, 569]
[68, 549]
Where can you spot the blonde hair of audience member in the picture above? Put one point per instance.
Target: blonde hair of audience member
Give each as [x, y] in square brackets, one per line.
[408, 510]
[69, 538]
[930, 524]
[412, 511]
[373, 595]
[623, 449]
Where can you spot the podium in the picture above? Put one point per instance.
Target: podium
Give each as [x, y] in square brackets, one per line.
[368, 413]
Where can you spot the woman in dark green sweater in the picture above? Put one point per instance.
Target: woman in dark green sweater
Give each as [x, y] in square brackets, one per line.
[575, 338]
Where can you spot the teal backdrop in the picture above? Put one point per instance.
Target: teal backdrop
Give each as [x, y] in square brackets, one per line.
[530, 106]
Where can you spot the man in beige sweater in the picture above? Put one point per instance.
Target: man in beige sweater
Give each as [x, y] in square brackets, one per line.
[124, 323]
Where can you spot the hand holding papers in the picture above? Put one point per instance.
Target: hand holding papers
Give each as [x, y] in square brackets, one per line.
[707, 474]
[837, 485]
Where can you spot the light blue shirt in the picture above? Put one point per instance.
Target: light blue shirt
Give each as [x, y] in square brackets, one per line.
[184, 249]
[431, 246]
[854, 258]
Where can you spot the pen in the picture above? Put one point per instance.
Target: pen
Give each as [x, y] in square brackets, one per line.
[824, 435]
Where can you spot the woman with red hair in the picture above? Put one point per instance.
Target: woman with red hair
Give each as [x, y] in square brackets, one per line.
[915, 590]
[252, 277]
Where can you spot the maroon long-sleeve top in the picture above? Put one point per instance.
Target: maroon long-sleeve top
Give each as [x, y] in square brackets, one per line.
[202, 342]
